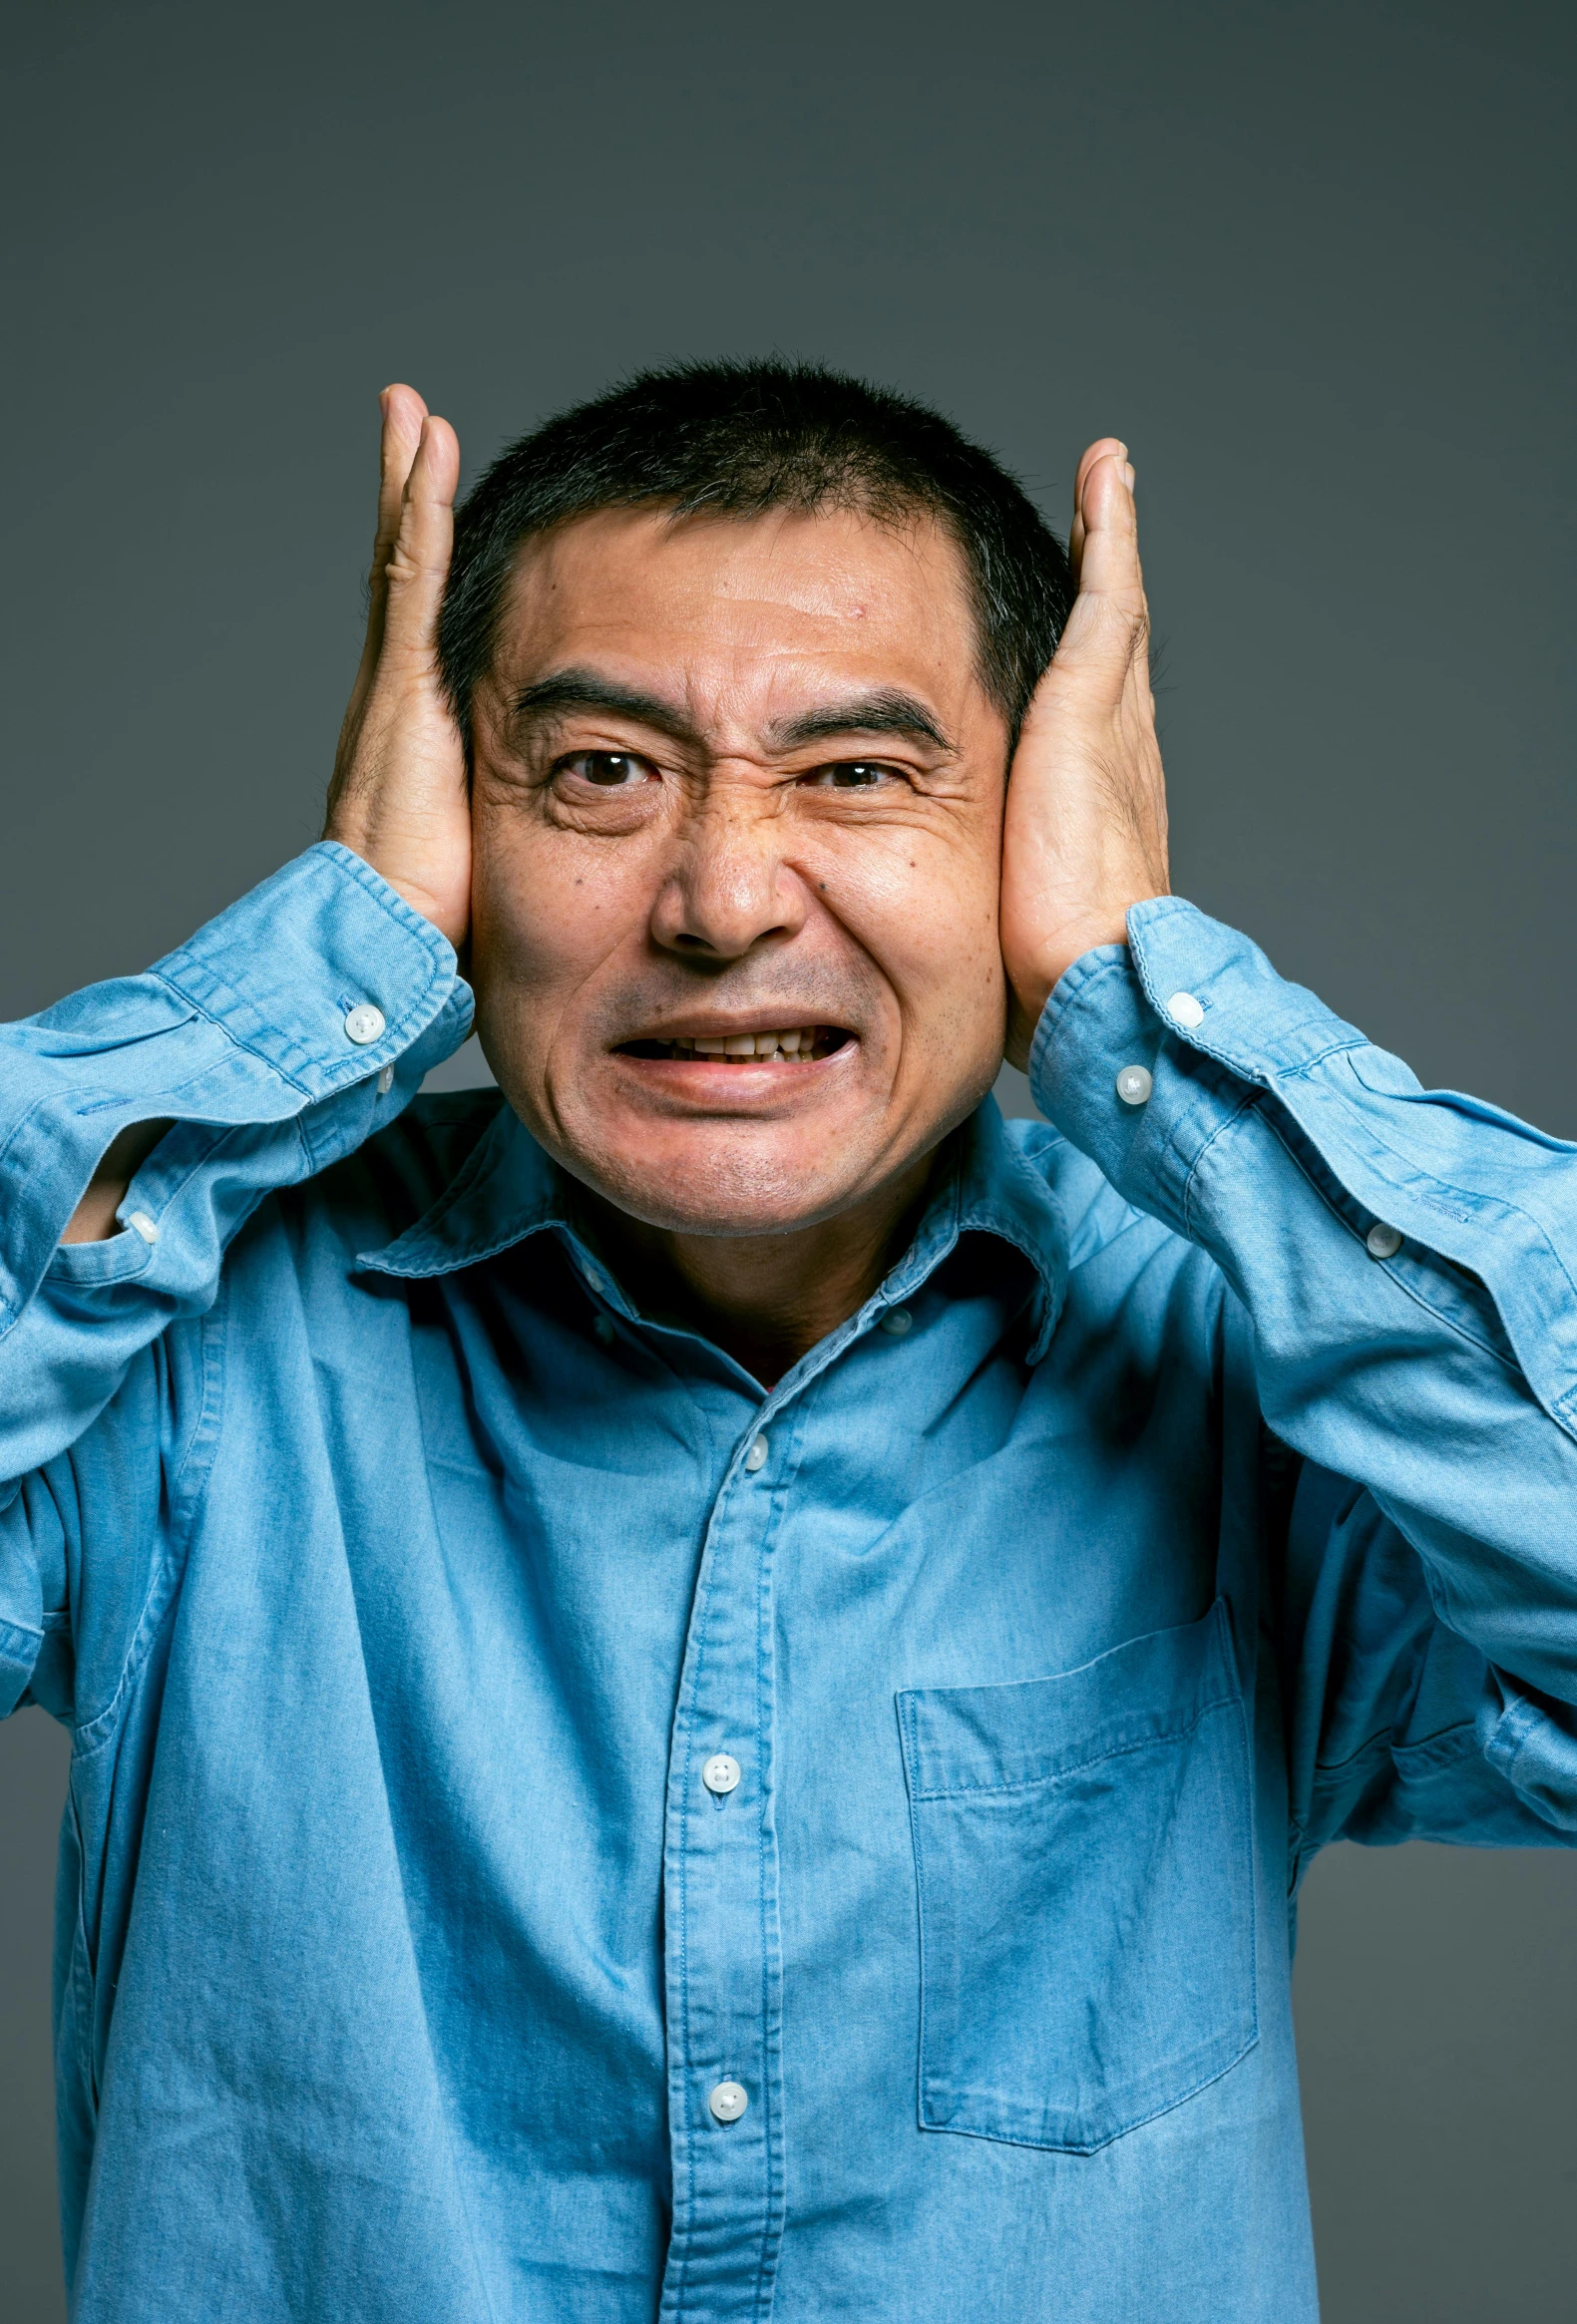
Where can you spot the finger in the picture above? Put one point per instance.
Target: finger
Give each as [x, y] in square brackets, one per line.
[1103, 651]
[403, 413]
[1099, 450]
[418, 563]
[1109, 565]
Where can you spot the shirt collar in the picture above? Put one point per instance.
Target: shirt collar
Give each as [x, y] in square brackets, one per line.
[509, 1189]
[988, 1186]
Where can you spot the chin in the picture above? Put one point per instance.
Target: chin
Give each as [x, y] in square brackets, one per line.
[713, 1181]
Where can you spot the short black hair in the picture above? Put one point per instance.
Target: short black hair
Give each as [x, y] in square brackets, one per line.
[739, 438]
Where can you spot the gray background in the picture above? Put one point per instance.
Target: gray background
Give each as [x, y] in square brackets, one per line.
[1313, 264]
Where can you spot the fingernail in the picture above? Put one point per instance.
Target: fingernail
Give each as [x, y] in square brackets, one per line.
[1127, 474]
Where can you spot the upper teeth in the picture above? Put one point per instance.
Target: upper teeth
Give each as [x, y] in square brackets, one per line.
[785, 1045]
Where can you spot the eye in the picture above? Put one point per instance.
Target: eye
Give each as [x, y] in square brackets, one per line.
[607, 770]
[852, 774]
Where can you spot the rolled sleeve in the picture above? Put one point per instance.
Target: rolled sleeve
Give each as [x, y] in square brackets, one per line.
[267, 1035]
[1202, 1011]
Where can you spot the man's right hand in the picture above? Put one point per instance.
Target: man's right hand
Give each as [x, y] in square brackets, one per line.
[399, 795]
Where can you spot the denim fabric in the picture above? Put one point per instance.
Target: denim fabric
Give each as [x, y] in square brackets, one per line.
[398, 1578]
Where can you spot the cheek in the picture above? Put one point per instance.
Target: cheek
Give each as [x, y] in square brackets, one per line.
[924, 906]
[547, 909]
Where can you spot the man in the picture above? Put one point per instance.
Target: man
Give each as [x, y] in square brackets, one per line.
[702, 1686]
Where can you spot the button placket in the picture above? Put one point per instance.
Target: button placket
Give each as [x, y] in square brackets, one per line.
[721, 1774]
[722, 1960]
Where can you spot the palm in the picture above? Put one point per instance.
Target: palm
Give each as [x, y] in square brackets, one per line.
[399, 793]
[1085, 829]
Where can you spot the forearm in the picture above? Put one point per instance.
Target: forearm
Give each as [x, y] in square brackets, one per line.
[1406, 1261]
[236, 1065]
[94, 1218]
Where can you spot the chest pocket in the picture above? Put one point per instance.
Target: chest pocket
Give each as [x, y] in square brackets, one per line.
[1084, 1852]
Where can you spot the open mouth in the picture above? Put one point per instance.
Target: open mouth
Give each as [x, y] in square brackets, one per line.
[794, 1046]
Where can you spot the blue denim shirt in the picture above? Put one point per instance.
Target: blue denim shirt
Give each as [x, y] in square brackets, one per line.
[1198, 1487]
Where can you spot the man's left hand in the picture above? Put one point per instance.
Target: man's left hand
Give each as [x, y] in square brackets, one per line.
[1085, 830]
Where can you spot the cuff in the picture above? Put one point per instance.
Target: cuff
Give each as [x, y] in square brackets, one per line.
[323, 972]
[1189, 1022]
[317, 1002]
[1145, 1051]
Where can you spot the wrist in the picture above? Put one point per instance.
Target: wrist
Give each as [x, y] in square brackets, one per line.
[1035, 971]
[401, 859]
[1038, 977]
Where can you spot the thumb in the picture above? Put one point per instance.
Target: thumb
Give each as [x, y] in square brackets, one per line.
[1109, 625]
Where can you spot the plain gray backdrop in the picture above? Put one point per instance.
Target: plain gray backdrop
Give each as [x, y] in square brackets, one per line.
[1313, 264]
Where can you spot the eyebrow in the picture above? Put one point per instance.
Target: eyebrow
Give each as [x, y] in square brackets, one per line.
[887, 712]
[584, 690]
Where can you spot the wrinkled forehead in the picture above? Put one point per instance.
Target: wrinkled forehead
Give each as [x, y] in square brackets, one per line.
[743, 617]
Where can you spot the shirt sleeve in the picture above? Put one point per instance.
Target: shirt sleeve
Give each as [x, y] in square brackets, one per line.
[1406, 1260]
[280, 1036]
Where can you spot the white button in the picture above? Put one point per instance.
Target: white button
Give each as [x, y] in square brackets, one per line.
[144, 1225]
[386, 1081]
[756, 1457]
[1134, 1085]
[1383, 1242]
[721, 1773]
[1185, 1010]
[363, 1023]
[729, 2102]
[898, 1321]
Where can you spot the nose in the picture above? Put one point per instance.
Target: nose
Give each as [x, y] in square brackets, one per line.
[728, 887]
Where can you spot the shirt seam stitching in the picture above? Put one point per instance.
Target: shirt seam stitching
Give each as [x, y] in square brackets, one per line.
[1097, 1759]
[169, 1565]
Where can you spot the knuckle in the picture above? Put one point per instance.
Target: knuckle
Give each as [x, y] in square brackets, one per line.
[405, 568]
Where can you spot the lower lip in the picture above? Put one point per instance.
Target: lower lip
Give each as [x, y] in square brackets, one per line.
[746, 1080]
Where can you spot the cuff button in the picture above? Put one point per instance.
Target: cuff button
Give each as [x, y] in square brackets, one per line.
[363, 1023]
[1134, 1085]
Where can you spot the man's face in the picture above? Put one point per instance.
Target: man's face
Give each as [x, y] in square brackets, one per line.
[738, 779]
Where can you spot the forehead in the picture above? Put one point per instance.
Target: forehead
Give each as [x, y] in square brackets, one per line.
[747, 612]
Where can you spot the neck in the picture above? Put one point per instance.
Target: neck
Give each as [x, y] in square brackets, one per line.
[766, 1300]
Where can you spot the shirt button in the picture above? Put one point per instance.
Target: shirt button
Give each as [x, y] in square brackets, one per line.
[729, 2102]
[1185, 1010]
[363, 1023]
[144, 1225]
[603, 1328]
[898, 1321]
[721, 1773]
[1134, 1085]
[1383, 1242]
[386, 1081]
[755, 1458]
